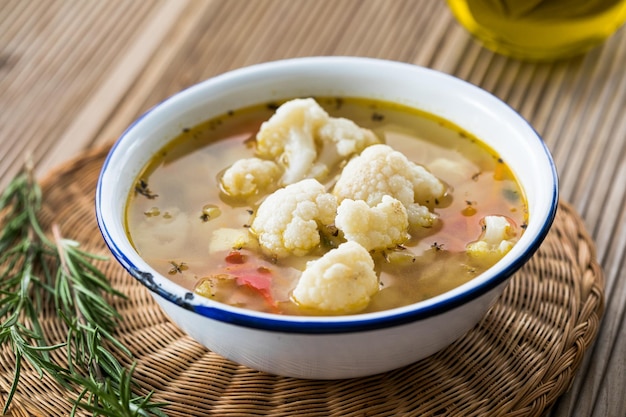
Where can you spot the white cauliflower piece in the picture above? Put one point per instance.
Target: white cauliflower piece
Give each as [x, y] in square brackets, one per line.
[250, 176]
[301, 127]
[346, 136]
[288, 137]
[420, 215]
[341, 282]
[340, 138]
[380, 170]
[453, 171]
[496, 241]
[380, 227]
[288, 220]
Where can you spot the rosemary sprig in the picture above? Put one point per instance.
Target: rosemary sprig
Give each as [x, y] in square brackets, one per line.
[38, 273]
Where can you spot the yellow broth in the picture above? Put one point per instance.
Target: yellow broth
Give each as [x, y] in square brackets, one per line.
[167, 225]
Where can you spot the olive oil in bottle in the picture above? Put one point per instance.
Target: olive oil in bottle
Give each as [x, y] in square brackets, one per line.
[540, 30]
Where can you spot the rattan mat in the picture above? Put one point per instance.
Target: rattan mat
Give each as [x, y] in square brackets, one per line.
[515, 362]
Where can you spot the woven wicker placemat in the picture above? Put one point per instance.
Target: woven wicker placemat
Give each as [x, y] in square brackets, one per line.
[516, 362]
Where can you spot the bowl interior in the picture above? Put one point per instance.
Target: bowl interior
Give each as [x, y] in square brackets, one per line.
[465, 105]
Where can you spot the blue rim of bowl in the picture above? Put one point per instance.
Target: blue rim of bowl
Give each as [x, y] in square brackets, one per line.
[330, 325]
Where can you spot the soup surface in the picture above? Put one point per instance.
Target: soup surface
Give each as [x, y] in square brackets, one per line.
[183, 224]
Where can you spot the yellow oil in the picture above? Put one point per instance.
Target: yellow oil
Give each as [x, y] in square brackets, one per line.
[540, 30]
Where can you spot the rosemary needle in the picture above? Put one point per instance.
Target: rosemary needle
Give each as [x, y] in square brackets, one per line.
[38, 272]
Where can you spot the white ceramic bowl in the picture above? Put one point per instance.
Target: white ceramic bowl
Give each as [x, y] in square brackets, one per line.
[345, 346]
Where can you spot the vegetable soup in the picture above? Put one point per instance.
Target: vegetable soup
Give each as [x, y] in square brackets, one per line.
[263, 207]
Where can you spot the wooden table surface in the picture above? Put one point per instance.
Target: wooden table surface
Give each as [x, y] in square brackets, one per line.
[74, 74]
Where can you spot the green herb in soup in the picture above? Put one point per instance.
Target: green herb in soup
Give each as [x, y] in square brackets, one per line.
[324, 206]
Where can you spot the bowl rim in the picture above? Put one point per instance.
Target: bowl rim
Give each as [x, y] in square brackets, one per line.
[163, 287]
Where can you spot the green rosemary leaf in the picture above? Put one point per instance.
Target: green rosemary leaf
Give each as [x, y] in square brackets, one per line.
[102, 399]
[14, 383]
[38, 273]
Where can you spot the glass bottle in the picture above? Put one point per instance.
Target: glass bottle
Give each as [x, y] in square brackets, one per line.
[540, 30]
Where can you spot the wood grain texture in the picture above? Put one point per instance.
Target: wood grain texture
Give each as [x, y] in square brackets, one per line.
[75, 74]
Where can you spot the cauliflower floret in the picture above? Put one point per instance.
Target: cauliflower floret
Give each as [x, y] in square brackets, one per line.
[340, 139]
[250, 176]
[301, 127]
[288, 137]
[453, 171]
[420, 215]
[348, 138]
[341, 282]
[287, 222]
[496, 241]
[380, 227]
[380, 170]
